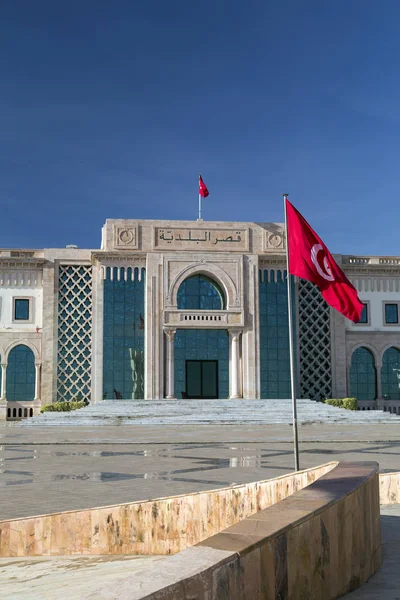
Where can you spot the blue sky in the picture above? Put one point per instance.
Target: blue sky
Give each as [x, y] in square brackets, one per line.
[111, 109]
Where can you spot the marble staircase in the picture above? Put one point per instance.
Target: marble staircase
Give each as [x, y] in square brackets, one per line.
[204, 412]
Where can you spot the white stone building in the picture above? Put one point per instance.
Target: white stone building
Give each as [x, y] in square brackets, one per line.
[188, 309]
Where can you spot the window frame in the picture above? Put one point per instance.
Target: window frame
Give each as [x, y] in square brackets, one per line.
[368, 321]
[30, 309]
[384, 304]
[202, 278]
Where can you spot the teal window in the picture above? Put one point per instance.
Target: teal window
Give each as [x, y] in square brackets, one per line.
[274, 336]
[364, 314]
[21, 374]
[390, 374]
[363, 375]
[21, 309]
[201, 344]
[391, 313]
[123, 335]
[200, 293]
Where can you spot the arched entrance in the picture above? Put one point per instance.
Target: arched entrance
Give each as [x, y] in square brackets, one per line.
[202, 358]
[201, 366]
[20, 381]
[363, 382]
[390, 374]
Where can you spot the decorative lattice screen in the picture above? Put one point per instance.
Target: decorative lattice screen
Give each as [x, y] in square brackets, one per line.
[74, 332]
[315, 343]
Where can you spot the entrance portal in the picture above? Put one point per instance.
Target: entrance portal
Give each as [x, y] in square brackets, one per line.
[202, 379]
[201, 345]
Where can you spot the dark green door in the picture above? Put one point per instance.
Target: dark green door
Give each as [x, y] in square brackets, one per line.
[202, 379]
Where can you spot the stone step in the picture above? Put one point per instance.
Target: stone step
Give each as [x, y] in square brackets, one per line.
[186, 412]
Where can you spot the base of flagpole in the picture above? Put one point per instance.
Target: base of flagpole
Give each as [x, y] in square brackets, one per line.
[199, 220]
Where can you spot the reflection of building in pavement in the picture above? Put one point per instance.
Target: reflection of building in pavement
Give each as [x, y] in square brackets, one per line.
[188, 310]
[137, 367]
[245, 461]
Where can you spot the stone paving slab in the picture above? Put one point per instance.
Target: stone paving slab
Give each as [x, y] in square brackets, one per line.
[160, 434]
[53, 578]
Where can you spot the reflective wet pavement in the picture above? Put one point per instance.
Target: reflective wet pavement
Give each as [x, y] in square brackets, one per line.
[42, 477]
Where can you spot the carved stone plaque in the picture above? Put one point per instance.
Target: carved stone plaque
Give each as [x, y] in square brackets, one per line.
[126, 237]
[224, 240]
[274, 240]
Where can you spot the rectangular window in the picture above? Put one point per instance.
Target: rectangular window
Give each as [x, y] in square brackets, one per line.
[391, 313]
[364, 314]
[21, 309]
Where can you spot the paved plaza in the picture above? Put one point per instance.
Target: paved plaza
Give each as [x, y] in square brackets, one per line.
[51, 470]
[72, 577]
[46, 470]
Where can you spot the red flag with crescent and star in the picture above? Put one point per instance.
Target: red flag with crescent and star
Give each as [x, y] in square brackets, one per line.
[310, 259]
[203, 191]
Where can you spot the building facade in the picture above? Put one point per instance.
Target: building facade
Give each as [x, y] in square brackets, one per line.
[179, 309]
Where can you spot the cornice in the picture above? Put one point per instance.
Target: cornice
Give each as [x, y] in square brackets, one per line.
[378, 270]
[25, 263]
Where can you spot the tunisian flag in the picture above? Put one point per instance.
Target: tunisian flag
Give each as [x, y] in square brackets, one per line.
[203, 191]
[310, 259]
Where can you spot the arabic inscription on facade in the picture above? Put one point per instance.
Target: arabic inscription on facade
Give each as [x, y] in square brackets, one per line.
[201, 239]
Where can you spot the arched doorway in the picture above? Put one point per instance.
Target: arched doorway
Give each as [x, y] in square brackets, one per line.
[20, 384]
[390, 374]
[363, 375]
[201, 368]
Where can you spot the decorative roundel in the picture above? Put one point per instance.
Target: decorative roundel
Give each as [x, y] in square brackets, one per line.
[275, 240]
[126, 236]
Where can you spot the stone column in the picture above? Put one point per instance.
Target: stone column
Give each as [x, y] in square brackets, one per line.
[251, 330]
[49, 331]
[338, 346]
[3, 381]
[97, 333]
[37, 381]
[170, 335]
[3, 401]
[379, 400]
[348, 388]
[153, 328]
[234, 336]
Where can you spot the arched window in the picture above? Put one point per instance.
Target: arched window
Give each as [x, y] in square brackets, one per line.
[21, 374]
[363, 375]
[390, 374]
[199, 292]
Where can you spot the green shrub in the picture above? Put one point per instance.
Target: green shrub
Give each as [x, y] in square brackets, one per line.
[350, 403]
[347, 403]
[62, 406]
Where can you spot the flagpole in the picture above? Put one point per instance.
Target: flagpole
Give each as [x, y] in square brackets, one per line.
[199, 219]
[291, 346]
